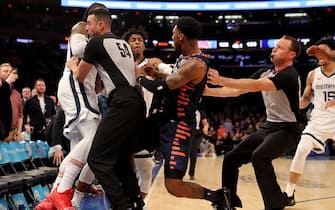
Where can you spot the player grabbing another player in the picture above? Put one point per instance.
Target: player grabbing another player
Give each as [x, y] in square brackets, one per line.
[181, 93]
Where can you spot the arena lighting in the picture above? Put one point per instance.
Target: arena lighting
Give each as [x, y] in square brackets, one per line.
[304, 41]
[63, 46]
[251, 43]
[154, 42]
[296, 15]
[233, 17]
[268, 43]
[202, 6]
[25, 41]
[207, 44]
[162, 44]
[224, 44]
[237, 45]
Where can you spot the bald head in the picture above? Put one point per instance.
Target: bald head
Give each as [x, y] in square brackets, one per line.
[79, 28]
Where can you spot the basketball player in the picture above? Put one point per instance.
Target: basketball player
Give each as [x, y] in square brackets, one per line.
[279, 134]
[79, 102]
[319, 90]
[181, 92]
[116, 136]
[143, 159]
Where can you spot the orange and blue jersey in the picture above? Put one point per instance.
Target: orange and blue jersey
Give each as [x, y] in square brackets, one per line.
[180, 106]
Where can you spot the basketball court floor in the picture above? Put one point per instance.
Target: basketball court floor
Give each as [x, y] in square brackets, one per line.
[315, 189]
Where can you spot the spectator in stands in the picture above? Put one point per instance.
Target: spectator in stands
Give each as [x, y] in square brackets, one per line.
[33, 92]
[40, 109]
[6, 71]
[17, 112]
[26, 94]
[5, 104]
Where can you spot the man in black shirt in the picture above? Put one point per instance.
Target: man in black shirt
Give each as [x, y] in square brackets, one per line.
[115, 139]
[279, 134]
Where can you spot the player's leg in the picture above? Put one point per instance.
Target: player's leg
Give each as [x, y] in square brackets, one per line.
[175, 146]
[144, 165]
[305, 146]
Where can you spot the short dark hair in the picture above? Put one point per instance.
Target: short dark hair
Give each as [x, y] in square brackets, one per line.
[93, 6]
[189, 26]
[139, 30]
[102, 14]
[295, 45]
[39, 80]
[329, 42]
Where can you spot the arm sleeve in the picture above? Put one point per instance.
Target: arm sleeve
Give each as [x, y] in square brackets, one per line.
[257, 74]
[154, 86]
[282, 80]
[78, 43]
[91, 51]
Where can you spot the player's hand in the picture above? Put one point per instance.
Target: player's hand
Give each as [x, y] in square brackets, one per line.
[13, 76]
[58, 157]
[317, 52]
[213, 77]
[72, 64]
[154, 62]
[139, 70]
[329, 103]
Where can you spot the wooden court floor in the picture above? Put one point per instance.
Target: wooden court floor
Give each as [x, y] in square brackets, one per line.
[315, 189]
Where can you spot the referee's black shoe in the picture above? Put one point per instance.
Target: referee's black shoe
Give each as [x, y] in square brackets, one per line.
[223, 201]
[290, 201]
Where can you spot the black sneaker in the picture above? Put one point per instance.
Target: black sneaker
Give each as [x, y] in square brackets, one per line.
[290, 201]
[223, 200]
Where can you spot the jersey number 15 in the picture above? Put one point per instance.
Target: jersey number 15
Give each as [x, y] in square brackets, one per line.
[329, 95]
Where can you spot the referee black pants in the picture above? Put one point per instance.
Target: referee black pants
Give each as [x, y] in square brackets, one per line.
[269, 142]
[113, 145]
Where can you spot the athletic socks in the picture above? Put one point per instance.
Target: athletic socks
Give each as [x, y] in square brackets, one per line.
[76, 199]
[56, 183]
[86, 175]
[70, 175]
[290, 189]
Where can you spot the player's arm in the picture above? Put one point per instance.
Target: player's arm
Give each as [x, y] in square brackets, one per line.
[308, 91]
[223, 92]
[248, 85]
[191, 71]
[78, 43]
[80, 70]
[319, 53]
[78, 39]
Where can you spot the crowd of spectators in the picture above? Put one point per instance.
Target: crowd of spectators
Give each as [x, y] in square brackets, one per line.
[228, 128]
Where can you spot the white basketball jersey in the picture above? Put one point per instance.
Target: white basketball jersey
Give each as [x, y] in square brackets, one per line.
[324, 90]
